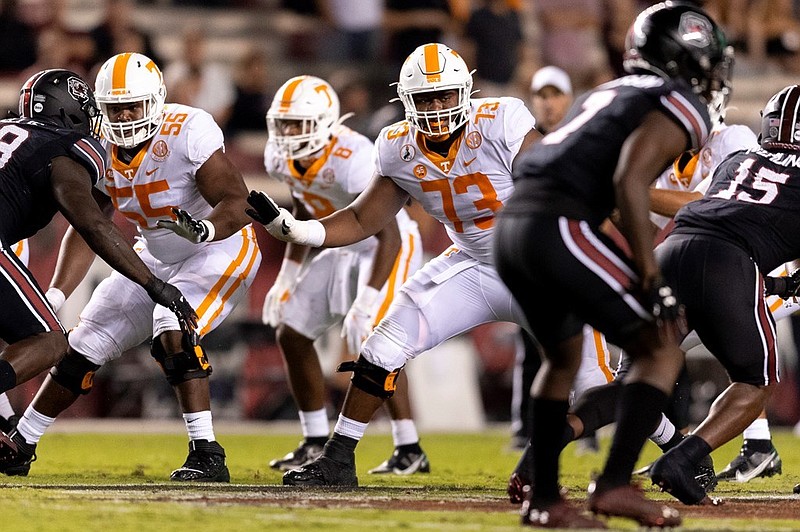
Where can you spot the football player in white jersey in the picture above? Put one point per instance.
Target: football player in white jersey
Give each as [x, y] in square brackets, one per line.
[326, 166]
[453, 155]
[167, 173]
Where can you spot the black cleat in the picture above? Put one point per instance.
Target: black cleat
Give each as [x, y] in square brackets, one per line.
[404, 461]
[205, 463]
[16, 454]
[751, 464]
[703, 473]
[323, 472]
[305, 453]
[676, 475]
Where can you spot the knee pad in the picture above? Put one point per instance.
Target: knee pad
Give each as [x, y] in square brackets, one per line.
[75, 373]
[371, 378]
[191, 363]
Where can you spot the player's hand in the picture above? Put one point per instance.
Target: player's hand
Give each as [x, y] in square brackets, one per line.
[184, 225]
[169, 296]
[666, 308]
[360, 319]
[783, 287]
[55, 297]
[272, 312]
[264, 209]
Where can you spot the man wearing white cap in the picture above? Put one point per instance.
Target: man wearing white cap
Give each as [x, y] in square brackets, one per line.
[551, 96]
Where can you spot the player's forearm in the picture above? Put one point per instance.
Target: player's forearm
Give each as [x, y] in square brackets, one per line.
[229, 217]
[75, 258]
[106, 240]
[389, 245]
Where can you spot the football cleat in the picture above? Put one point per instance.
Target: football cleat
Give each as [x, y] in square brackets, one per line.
[205, 463]
[16, 454]
[751, 464]
[675, 474]
[323, 472]
[305, 453]
[629, 501]
[405, 460]
[703, 473]
[560, 514]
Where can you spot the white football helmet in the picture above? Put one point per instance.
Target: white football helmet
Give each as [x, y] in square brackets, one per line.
[435, 67]
[128, 78]
[311, 102]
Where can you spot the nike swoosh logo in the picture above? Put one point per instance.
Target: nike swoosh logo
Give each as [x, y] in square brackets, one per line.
[285, 228]
[753, 473]
[467, 163]
[150, 172]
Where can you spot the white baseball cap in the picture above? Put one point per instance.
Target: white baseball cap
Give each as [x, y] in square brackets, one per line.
[551, 75]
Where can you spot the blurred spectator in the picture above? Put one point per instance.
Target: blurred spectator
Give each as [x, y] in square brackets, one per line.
[761, 29]
[196, 80]
[17, 40]
[117, 33]
[411, 23]
[355, 27]
[551, 96]
[571, 37]
[355, 96]
[493, 38]
[54, 50]
[251, 99]
[619, 15]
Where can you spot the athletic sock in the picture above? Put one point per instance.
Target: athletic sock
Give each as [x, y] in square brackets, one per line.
[33, 425]
[199, 425]
[314, 424]
[404, 432]
[548, 419]
[638, 412]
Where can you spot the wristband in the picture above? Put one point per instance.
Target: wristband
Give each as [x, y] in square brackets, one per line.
[210, 230]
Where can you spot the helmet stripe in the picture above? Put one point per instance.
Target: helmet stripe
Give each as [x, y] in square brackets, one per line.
[788, 115]
[432, 68]
[286, 98]
[120, 68]
[26, 105]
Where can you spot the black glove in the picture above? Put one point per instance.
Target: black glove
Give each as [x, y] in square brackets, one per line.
[264, 208]
[783, 287]
[666, 309]
[184, 225]
[168, 296]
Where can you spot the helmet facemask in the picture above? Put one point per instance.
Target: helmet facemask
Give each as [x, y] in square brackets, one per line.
[435, 68]
[310, 103]
[126, 79]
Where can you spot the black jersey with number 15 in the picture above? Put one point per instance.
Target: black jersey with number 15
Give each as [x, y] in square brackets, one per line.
[570, 171]
[754, 202]
[26, 149]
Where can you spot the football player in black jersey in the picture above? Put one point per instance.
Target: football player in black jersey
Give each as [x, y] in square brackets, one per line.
[50, 160]
[716, 257]
[612, 145]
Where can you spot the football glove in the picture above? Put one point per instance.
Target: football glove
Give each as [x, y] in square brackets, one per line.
[666, 309]
[360, 318]
[281, 224]
[783, 287]
[55, 297]
[279, 293]
[169, 296]
[184, 225]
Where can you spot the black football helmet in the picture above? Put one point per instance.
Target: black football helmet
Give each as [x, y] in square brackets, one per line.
[780, 120]
[61, 98]
[679, 40]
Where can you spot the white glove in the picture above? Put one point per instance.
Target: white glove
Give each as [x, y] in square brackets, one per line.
[184, 225]
[279, 293]
[360, 318]
[55, 297]
[281, 224]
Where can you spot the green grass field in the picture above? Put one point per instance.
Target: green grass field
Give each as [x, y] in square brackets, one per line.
[118, 481]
